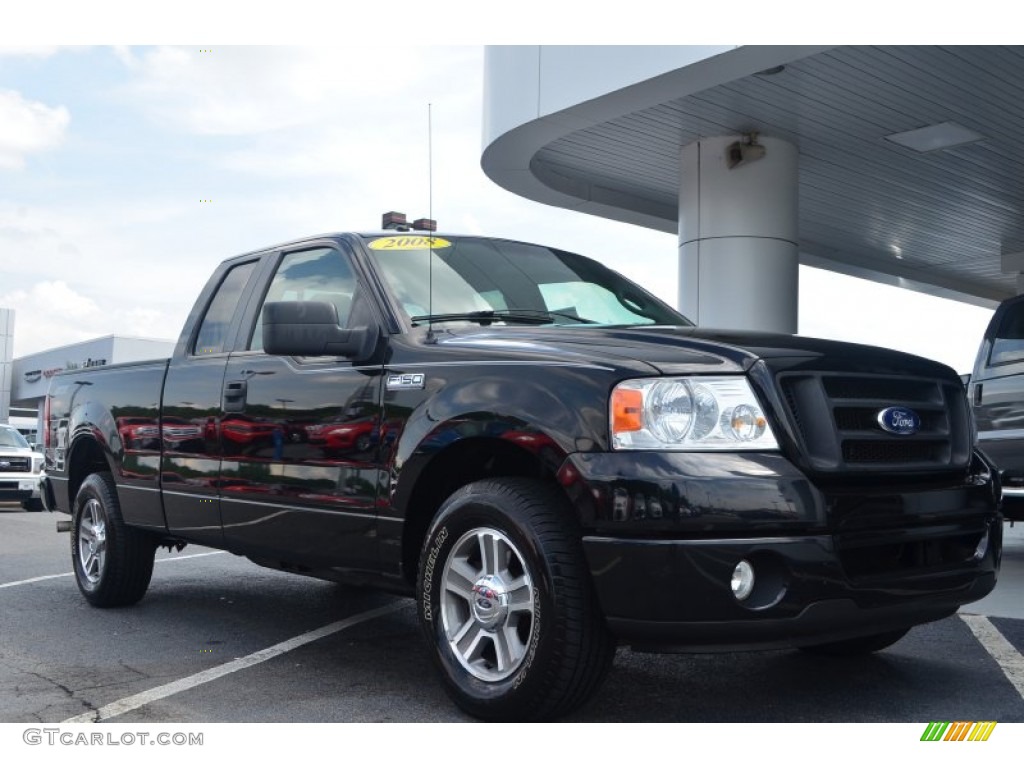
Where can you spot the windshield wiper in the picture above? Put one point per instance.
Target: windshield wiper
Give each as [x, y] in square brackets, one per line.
[488, 316]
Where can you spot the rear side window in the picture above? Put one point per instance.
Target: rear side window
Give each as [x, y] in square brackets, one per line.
[213, 331]
[1008, 344]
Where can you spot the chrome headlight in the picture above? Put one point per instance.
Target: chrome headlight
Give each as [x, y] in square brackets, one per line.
[37, 463]
[689, 413]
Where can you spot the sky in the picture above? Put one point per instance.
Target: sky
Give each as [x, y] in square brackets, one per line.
[128, 173]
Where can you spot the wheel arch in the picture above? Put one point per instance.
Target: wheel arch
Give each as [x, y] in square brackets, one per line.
[86, 456]
[429, 478]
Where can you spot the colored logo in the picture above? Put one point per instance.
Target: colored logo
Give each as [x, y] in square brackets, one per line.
[899, 421]
[484, 596]
[959, 731]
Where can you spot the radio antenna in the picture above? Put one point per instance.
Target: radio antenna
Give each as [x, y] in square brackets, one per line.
[430, 233]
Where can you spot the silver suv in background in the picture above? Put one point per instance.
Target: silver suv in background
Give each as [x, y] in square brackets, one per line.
[996, 391]
[21, 469]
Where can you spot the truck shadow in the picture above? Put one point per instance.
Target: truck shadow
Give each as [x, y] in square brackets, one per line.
[936, 673]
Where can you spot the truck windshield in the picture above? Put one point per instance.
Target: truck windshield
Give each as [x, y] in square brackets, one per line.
[11, 438]
[501, 281]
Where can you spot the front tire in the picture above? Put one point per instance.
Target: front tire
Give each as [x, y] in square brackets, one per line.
[506, 603]
[113, 563]
[32, 505]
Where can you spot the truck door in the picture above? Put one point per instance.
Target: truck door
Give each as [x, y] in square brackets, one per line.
[300, 437]
[190, 457]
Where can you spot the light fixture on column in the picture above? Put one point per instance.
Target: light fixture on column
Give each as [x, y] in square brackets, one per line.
[744, 151]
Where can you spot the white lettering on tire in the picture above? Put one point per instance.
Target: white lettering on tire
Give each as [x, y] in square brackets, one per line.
[428, 573]
[528, 661]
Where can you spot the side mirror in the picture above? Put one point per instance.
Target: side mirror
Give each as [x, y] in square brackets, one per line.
[309, 328]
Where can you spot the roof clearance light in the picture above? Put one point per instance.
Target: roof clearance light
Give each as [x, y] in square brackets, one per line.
[393, 220]
[426, 225]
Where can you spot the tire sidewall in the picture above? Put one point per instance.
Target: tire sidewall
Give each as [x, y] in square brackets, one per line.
[91, 489]
[487, 699]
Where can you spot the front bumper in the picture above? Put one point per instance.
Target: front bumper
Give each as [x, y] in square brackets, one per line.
[19, 486]
[665, 531]
[676, 594]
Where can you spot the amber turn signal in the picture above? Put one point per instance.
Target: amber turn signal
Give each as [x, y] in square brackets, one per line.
[627, 406]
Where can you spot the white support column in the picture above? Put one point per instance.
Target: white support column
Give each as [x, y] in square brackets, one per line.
[738, 265]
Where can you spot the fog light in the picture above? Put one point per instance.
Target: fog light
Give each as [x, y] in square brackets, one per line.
[979, 552]
[742, 582]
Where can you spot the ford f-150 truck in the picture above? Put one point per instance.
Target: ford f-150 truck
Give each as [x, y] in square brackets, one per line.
[20, 470]
[547, 457]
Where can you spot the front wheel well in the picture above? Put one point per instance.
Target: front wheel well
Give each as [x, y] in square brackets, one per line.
[458, 465]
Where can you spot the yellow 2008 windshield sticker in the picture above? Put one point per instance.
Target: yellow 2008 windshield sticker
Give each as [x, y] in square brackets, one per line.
[408, 243]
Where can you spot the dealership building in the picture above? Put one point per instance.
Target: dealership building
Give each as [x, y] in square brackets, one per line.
[897, 164]
[24, 381]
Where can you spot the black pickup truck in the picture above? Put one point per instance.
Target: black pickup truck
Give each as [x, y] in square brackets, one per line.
[548, 458]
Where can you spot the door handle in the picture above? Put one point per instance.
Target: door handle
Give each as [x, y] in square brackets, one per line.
[977, 394]
[234, 396]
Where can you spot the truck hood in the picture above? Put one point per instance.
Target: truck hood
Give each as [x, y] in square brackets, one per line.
[13, 450]
[682, 350]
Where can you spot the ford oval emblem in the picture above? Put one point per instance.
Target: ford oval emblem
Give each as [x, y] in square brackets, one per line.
[899, 421]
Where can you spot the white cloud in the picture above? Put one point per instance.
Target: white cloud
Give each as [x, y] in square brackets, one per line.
[27, 127]
[237, 91]
[51, 314]
[78, 273]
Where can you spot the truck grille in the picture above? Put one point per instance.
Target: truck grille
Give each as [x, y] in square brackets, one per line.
[15, 464]
[836, 419]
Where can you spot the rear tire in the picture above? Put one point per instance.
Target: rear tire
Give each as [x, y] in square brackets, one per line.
[506, 603]
[857, 646]
[113, 563]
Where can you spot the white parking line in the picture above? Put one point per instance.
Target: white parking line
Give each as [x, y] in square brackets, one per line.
[163, 691]
[71, 573]
[32, 581]
[1006, 656]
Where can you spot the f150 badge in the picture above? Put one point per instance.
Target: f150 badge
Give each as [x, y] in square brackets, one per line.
[899, 421]
[405, 381]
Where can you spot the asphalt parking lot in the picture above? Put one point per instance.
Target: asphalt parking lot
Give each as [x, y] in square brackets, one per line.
[217, 639]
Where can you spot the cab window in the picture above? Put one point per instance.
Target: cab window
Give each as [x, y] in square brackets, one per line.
[321, 274]
[1008, 344]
